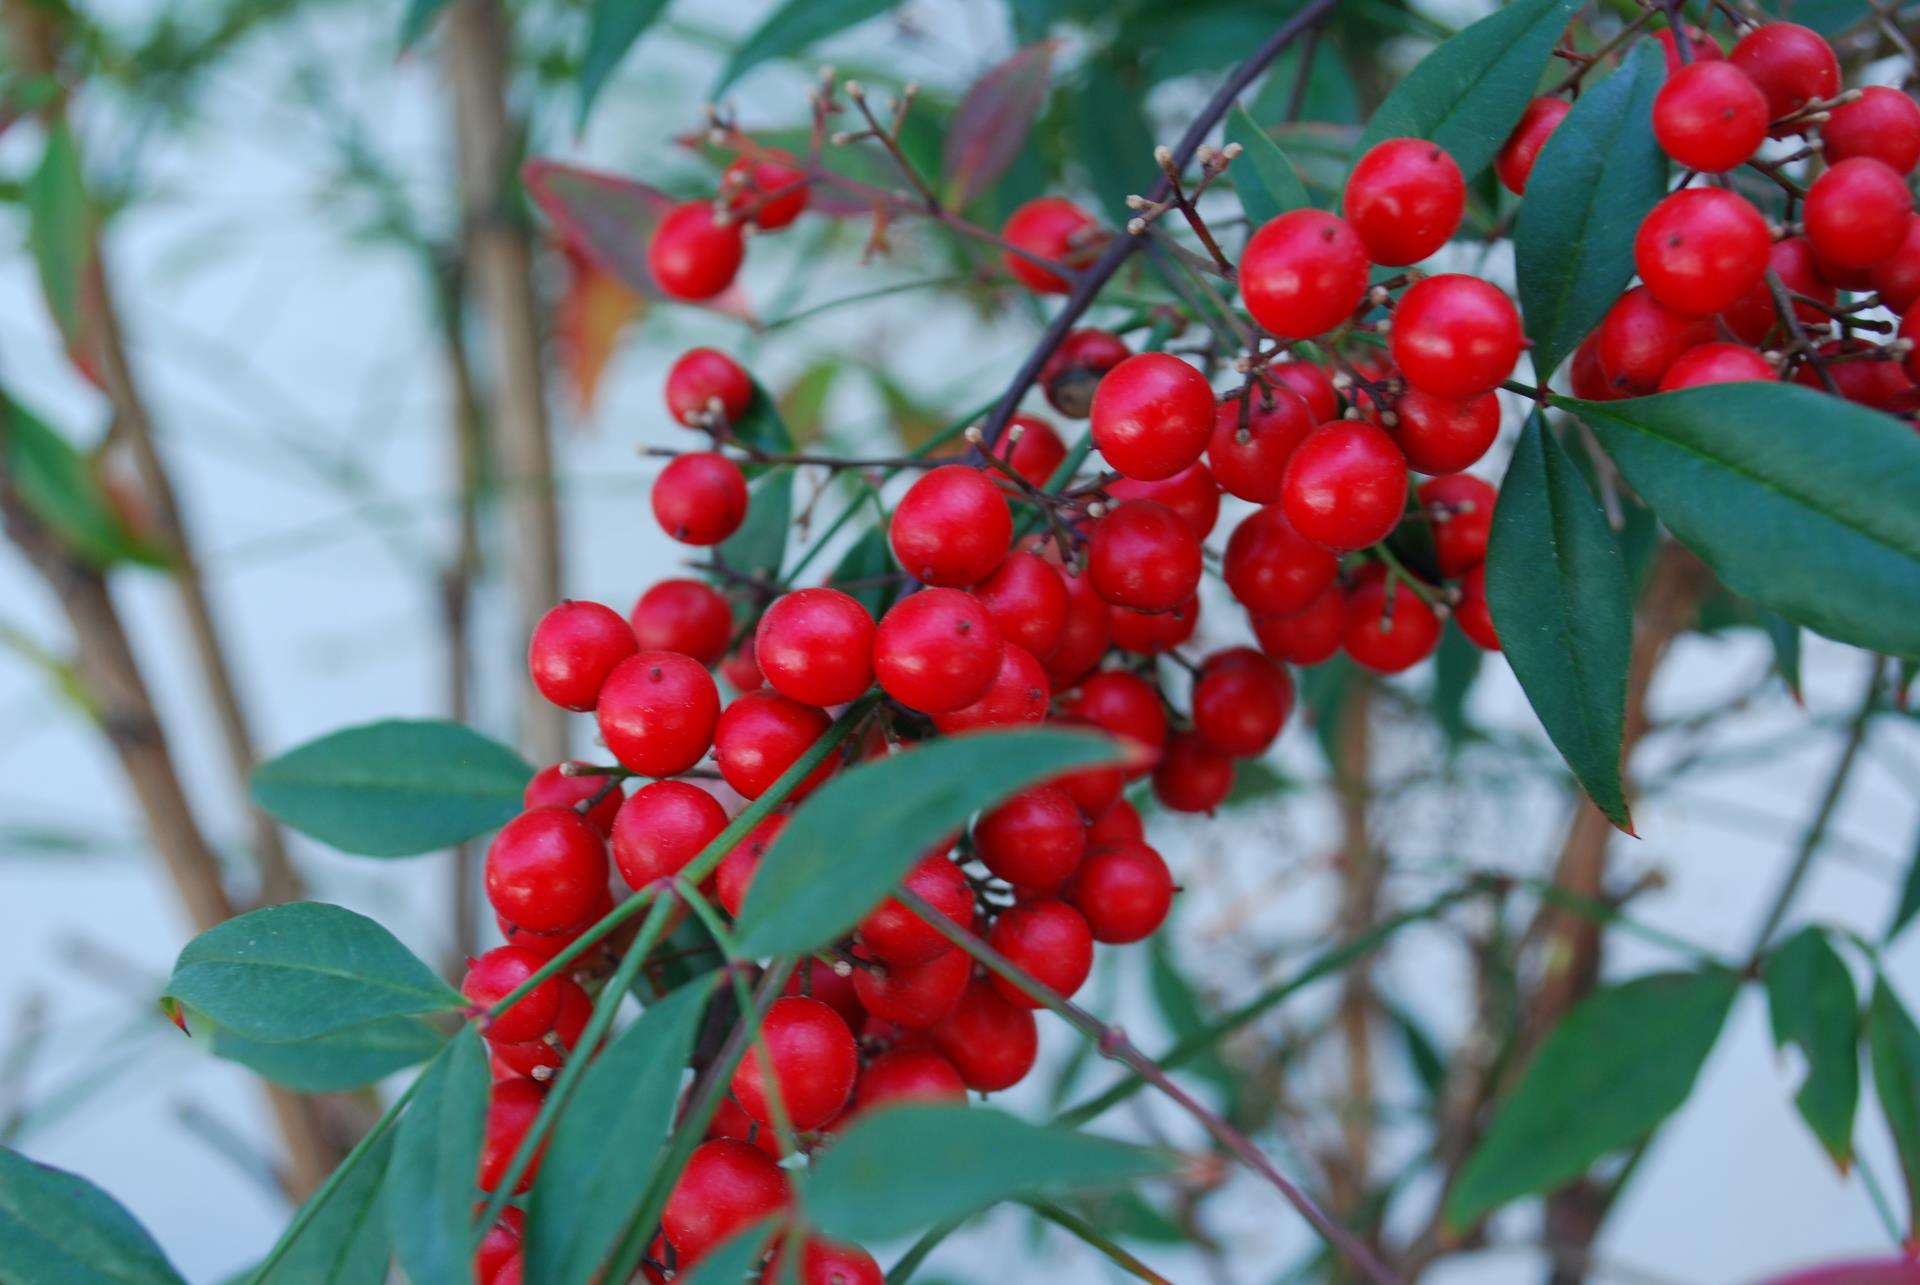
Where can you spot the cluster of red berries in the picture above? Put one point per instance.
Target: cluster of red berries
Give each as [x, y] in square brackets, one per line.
[698, 246]
[1713, 270]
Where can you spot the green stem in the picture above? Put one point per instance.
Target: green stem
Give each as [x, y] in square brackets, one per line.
[1093, 1236]
[902, 1272]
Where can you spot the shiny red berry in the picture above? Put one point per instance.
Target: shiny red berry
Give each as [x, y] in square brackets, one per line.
[1312, 383]
[1460, 507]
[1144, 556]
[1192, 776]
[1455, 335]
[1388, 642]
[769, 185]
[951, 528]
[816, 646]
[700, 498]
[1120, 821]
[1445, 434]
[1051, 228]
[1471, 613]
[1027, 599]
[937, 651]
[1018, 694]
[1271, 568]
[1883, 123]
[734, 875]
[539, 1058]
[1346, 486]
[1640, 337]
[916, 995]
[693, 255]
[661, 828]
[762, 734]
[1857, 213]
[991, 1041]
[814, 1063]
[1125, 892]
[1792, 65]
[1700, 249]
[657, 712]
[1793, 258]
[1709, 116]
[511, 1108]
[1152, 415]
[1404, 199]
[725, 1188]
[574, 647]
[899, 935]
[1716, 364]
[908, 1075]
[825, 1262]
[547, 869]
[1240, 702]
[1034, 839]
[498, 973]
[686, 616]
[1032, 447]
[1254, 435]
[703, 382]
[1077, 366]
[1122, 704]
[1192, 493]
[1303, 273]
[552, 787]
[1088, 631]
[1896, 278]
[1514, 164]
[1149, 633]
[1047, 939]
[1308, 636]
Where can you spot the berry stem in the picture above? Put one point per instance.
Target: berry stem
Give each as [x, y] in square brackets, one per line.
[1587, 62]
[1801, 345]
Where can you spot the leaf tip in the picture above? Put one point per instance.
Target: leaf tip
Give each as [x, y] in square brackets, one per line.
[175, 1013]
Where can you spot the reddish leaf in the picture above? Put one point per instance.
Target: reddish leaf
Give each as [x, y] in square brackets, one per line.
[1888, 1271]
[587, 323]
[993, 122]
[170, 1007]
[610, 220]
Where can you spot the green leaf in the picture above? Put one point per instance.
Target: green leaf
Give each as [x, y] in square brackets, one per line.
[1785, 637]
[1617, 1065]
[1111, 137]
[1423, 1055]
[396, 788]
[1558, 593]
[901, 1169]
[347, 1243]
[611, 30]
[1456, 663]
[335, 1063]
[605, 1144]
[729, 1262]
[434, 1179]
[855, 839]
[419, 15]
[761, 426]
[1330, 97]
[1179, 1008]
[1597, 176]
[1269, 186]
[1909, 903]
[1811, 1001]
[1468, 94]
[993, 121]
[867, 559]
[792, 27]
[56, 1228]
[1893, 1045]
[300, 971]
[57, 225]
[1798, 500]
[58, 487]
[760, 545]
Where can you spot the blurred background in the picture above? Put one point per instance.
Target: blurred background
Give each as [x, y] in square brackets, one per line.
[284, 191]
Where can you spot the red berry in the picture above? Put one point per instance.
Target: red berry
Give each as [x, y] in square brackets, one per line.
[1052, 228]
[705, 381]
[1149, 633]
[816, 646]
[913, 996]
[1640, 337]
[770, 181]
[1587, 376]
[1471, 613]
[547, 869]
[1709, 116]
[1254, 435]
[823, 982]
[1027, 599]
[553, 788]
[1857, 213]
[1192, 775]
[1460, 506]
[951, 528]
[693, 255]
[1307, 636]
[684, 616]
[657, 712]
[814, 1064]
[1312, 383]
[825, 1262]
[1345, 487]
[1240, 702]
[740, 669]
[1455, 335]
[1125, 705]
[908, 1075]
[1700, 249]
[551, 943]
[497, 974]
[1444, 434]
[900, 936]
[1125, 892]
[537, 1058]
[1700, 45]
[1270, 568]
[501, 1242]
[1910, 330]
[1087, 633]
[1792, 65]
[663, 827]
[990, 1040]
[1034, 451]
[513, 1270]
[1716, 364]
[1047, 939]
[1192, 493]
[1034, 839]
[1754, 315]
[734, 875]
[1121, 821]
[1303, 273]
[1018, 694]
[1896, 278]
[937, 651]
[574, 647]
[1075, 369]
[1882, 123]
[760, 735]
[726, 1187]
[1514, 164]
[1144, 556]
[1092, 789]
[510, 1111]
[1867, 382]
[1387, 643]
[1152, 415]
[700, 498]
[1404, 199]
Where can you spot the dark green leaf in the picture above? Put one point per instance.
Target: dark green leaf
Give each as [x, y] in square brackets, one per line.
[760, 545]
[867, 560]
[1468, 94]
[434, 1183]
[56, 484]
[1180, 1009]
[611, 30]
[992, 122]
[301, 971]
[730, 1262]
[900, 1169]
[1597, 176]
[852, 841]
[1111, 137]
[1617, 1065]
[348, 1059]
[1456, 664]
[1909, 903]
[1130, 1216]
[792, 27]
[1785, 637]
[1798, 500]
[56, 1228]
[57, 230]
[1268, 185]
[1828, 17]
[1811, 1000]
[394, 789]
[1558, 593]
[1423, 1055]
[762, 426]
[1893, 1044]
[1254, 780]
[1329, 99]
[606, 1143]
[417, 18]
[347, 1243]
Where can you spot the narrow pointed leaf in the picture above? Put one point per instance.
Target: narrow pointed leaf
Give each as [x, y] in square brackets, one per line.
[1109, 134]
[1909, 903]
[1812, 1004]
[1598, 174]
[606, 1143]
[1617, 1065]
[1558, 592]
[396, 788]
[302, 971]
[612, 29]
[417, 18]
[1265, 179]
[993, 120]
[794, 26]
[56, 1228]
[868, 559]
[433, 1181]
[336, 1063]
[901, 1169]
[855, 839]
[57, 229]
[1467, 94]
[347, 1243]
[1797, 499]
[1893, 1045]
[58, 486]
[1784, 635]
[760, 545]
